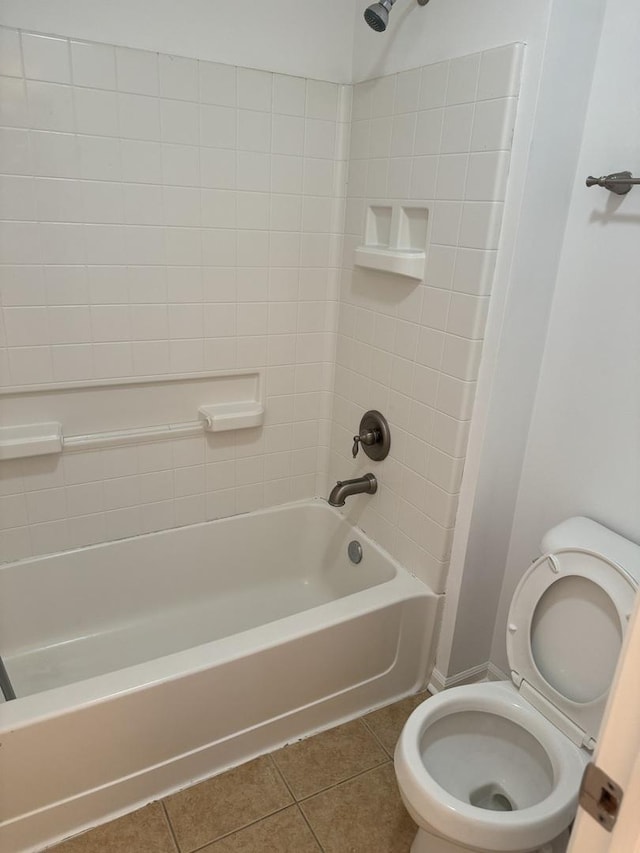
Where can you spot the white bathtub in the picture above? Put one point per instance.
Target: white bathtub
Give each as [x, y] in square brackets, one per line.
[145, 664]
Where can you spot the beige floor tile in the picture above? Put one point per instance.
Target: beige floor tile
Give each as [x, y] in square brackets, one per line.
[328, 758]
[284, 832]
[387, 723]
[144, 831]
[228, 802]
[362, 815]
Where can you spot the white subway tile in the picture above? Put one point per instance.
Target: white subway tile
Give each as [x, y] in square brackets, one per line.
[218, 126]
[288, 135]
[218, 168]
[30, 365]
[14, 151]
[383, 93]
[456, 129]
[141, 161]
[72, 362]
[428, 131]
[253, 210]
[452, 174]
[50, 106]
[500, 72]
[218, 208]
[93, 65]
[137, 71]
[254, 89]
[178, 77]
[433, 85]
[179, 122]
[181, 165]
[407, 95]
[100, 158]
[96, 112]
[320, 138]
[13, 103]
[403, 135]
[182, 206]
[253, 171]
[17, 198]
[10, 58]
[217, 84]
[474, 271]
[254, 131]
[46, 58]
[112, 360]
[286, 174]
[289, 94]
[487, 176]
[480, 227]
[462, 83]
[139, 117]
[322, 100]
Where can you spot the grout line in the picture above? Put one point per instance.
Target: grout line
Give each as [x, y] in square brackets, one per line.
[376, 738]
[311, 829]
[241, 828]
[170, 825]
[386, 760]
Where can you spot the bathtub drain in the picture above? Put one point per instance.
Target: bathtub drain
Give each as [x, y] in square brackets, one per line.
[354, 550]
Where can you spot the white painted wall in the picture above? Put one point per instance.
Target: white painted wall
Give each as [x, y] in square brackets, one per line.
[583, 451]
[288, 36]
[419, 35]
[515, 337]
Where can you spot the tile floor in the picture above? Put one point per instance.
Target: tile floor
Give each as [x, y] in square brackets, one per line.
[332, 793]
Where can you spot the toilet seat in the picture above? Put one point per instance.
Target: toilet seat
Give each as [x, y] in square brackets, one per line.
[566, 623]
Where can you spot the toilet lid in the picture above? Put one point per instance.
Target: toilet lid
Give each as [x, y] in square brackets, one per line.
[566, 625]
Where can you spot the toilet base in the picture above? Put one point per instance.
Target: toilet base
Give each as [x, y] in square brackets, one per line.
[427, 842]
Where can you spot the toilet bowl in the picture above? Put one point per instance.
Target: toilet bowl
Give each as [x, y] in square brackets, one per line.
[497, 767]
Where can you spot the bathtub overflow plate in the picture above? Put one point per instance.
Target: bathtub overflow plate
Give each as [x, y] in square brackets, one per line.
[354, 550]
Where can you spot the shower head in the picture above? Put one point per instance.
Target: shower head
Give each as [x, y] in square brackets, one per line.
[377, 15]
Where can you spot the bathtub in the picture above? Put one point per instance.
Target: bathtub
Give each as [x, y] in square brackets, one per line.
[143, 665]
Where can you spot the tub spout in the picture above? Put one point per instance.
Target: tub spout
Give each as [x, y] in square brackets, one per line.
[366, 485]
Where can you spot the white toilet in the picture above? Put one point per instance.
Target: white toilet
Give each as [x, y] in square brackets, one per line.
[497, 767]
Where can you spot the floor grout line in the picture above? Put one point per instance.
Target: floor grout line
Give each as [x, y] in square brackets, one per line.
[344, 781]
[311, 829]
[241, 828]
[170, 825]
[376, 738]
[304, 817]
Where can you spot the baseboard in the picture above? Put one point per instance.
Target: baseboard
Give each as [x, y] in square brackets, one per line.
[483, 672]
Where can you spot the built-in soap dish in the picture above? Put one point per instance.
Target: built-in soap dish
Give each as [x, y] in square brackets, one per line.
[395, 240]
[19, 442]
[226, 416]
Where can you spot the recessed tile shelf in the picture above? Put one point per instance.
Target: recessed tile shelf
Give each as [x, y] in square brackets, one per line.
[395, 240]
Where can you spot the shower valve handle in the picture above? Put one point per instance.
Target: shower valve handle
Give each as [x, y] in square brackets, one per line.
[369, 438]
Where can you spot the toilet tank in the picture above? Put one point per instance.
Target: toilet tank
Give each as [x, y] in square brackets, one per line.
[581, 532]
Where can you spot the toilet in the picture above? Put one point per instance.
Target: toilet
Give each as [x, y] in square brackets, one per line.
[497, 766]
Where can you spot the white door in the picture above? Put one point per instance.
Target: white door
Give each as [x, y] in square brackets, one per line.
[618, 755]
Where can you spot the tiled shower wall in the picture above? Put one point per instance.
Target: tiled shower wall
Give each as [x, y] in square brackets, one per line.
[164, 216]
[439, 136]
